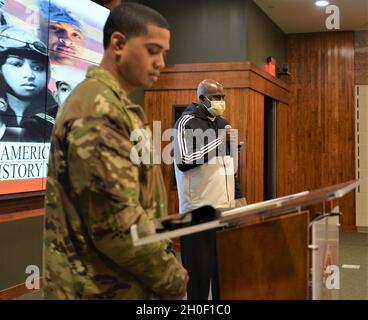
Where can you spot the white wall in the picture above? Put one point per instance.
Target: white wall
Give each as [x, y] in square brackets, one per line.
[361, 136]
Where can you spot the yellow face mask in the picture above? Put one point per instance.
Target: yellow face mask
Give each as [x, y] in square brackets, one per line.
[217, 107]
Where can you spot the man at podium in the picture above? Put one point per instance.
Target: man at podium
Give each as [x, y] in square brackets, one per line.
[204, 172]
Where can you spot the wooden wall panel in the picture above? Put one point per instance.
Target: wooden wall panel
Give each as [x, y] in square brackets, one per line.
[232, 75]
[245, 111]
[159, 107]
[315, 134]
[21, 204]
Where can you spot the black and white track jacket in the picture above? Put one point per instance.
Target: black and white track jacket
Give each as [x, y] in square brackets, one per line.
[204, 169]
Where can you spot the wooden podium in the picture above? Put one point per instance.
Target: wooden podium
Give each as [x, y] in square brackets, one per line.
[266, 260]
[262, 248]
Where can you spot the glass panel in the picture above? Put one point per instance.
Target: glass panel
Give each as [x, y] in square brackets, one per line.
[325, 259]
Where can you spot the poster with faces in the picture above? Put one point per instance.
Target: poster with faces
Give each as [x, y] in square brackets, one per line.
[46, 47]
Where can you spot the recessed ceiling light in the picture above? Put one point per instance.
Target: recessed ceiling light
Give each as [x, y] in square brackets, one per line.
[321, 3]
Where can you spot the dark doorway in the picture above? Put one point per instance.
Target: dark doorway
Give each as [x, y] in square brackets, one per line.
[270, 148]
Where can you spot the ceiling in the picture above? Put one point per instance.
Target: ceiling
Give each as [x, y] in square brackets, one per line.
[297, 16]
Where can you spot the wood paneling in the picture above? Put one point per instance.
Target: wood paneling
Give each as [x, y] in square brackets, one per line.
[232, 74]
[21, 215]
[245, 111]
[225, 66]
[19, 208]
[315, 134]
[159, 107]
[270, 262]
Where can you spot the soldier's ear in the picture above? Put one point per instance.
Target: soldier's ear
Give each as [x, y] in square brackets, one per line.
[118, 41]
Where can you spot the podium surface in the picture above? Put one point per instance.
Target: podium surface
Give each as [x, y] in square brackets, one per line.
[262, 248]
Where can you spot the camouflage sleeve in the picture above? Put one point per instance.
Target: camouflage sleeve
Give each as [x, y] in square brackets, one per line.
[107, 186]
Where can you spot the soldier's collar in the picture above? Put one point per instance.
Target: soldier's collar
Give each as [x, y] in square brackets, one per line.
[101, 74]
[106, 77]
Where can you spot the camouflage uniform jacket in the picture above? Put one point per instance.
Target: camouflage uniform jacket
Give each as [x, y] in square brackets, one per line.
[94, 194]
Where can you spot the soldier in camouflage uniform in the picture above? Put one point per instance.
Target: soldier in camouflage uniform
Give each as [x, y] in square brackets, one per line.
[95, 192]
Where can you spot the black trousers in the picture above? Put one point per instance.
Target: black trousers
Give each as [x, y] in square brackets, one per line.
[199, 257]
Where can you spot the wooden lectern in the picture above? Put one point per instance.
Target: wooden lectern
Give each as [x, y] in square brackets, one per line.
[266, 260]
[262, 248]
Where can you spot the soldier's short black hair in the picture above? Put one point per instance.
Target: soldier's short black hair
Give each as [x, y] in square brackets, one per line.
[131, 19]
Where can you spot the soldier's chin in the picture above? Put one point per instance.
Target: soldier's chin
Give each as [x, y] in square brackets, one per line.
[149, 84]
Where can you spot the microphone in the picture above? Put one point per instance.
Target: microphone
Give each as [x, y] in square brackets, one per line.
[228, 132]
[229, 143]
